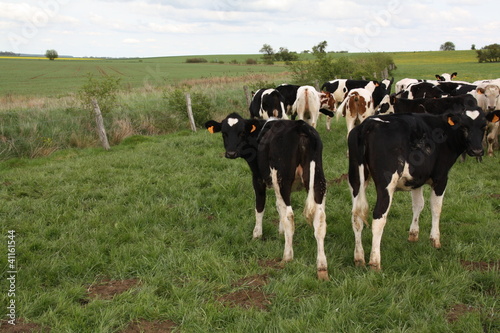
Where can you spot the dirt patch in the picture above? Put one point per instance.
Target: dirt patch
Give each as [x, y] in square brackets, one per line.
[246, 298]
[143, 326]
[21, 327]
[252, 294]
[254, 281]
[271, 263]
[480, 265]
[339, 180]
[457, 311]
[107, 289]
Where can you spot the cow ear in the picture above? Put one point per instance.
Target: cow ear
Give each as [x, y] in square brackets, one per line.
[454, 75]
[252, 126]
[452, 119]
[493, 117]
[212, 126]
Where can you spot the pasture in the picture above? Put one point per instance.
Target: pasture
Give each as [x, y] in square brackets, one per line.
[157, 232]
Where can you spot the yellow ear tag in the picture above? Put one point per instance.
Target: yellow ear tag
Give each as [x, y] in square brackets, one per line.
[211, 129]
[495, 119]
[450, 121]
[253, 129]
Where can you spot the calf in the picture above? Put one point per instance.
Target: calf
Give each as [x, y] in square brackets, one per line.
[357, 106]
[279, 154]
[404, 152]
[267, 103]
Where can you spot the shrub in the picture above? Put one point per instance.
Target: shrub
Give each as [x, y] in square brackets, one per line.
[200, 104]
[196, 60]
[489, 53]
[104, 90]
[251, 61]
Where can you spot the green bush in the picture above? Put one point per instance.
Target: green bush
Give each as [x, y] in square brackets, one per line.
[489, 53]
[196, 60]
[200, 104]
[104, 90]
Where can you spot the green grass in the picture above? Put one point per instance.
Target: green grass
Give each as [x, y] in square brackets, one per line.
[170, 211]
[173, 213]
[62, 77]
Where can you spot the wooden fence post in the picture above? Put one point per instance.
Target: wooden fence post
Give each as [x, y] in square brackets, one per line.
[100, 125]
[190, 112]
[247, 95]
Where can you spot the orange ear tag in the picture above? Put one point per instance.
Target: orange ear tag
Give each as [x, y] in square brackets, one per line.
[450, 122]
[253, 129]
[495, 119]
[211, 129]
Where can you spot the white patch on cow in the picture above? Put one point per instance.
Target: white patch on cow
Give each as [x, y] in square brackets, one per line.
[232, 121]
[472, 114]
[378, 119]
[257, 231]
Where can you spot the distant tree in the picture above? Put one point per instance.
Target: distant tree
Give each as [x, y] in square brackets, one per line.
[268, 52]
[448, 46]
[51, 54]
[489, 53]
[320, 49]
[285, 55]
[473, 47]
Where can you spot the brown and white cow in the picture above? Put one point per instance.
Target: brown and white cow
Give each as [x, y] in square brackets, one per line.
[357, 106]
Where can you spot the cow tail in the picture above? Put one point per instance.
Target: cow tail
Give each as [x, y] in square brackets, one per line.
[341, 110]
[358, 175]
[306, 107]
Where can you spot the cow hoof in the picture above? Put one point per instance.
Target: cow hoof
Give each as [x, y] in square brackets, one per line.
[375, 267]
[323, 275]
[413, 237]
[359, 263]
[435, 243]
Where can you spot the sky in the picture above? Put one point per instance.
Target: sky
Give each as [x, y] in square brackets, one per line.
[153, 28]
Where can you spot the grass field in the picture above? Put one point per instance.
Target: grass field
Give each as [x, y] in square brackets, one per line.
[156, 232]
[42, 77]
[171, 219]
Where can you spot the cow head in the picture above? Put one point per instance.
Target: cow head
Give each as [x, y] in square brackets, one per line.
[327, 101]
[492, 95]
[239, 135]
[471, 125]
[446, 76]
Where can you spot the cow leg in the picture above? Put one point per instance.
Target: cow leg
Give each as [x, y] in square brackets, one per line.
[436, 205]
[285, 212]
[328, 123]
[315, 210]
[357, 184]
[417, 199]
[260, 203]
[382, 206]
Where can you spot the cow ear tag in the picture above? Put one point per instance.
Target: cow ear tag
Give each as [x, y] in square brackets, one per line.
[450, 122]
[211, 129]
[253, 128]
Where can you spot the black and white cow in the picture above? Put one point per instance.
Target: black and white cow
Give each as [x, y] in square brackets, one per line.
[422, 90]
[446, 77]
[340, 88]
[267, 103]
[404, 152]
[289, 93]
[456, 88]
[280, 154]
[429, 105]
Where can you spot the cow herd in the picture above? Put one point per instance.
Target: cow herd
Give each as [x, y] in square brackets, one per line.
[401, 141]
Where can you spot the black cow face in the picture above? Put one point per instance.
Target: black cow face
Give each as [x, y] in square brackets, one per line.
[472, 125]
[239, 135]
